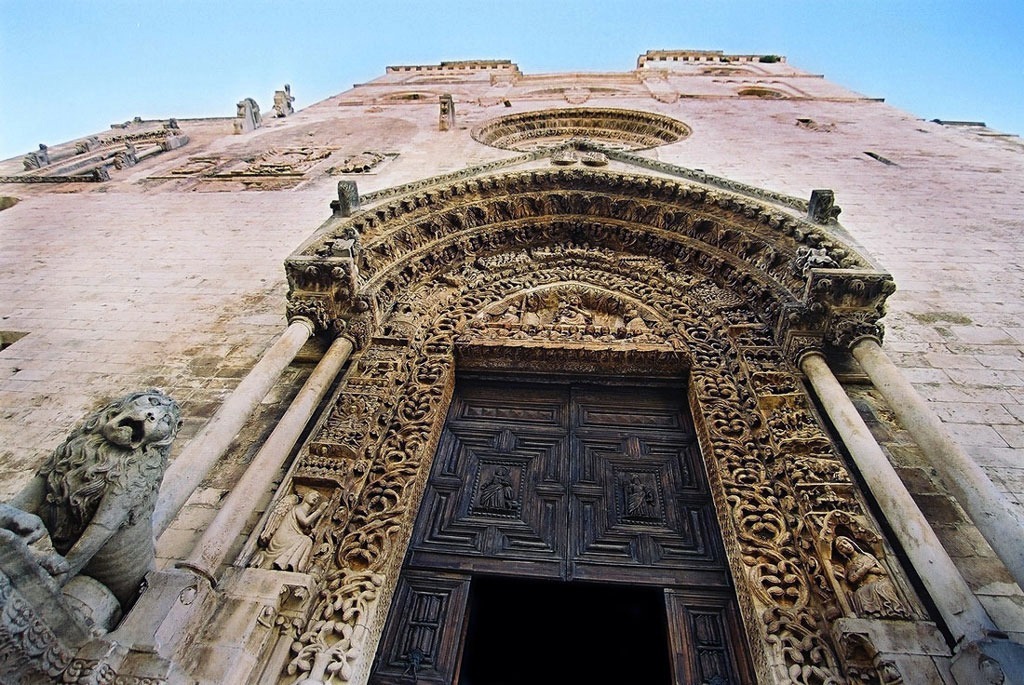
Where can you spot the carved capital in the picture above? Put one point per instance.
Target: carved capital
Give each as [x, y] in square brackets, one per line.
[846, 329]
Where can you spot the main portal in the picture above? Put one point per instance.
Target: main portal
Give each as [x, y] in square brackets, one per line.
[566, 534]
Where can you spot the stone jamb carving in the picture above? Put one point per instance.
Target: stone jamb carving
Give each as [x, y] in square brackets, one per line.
[445, 276]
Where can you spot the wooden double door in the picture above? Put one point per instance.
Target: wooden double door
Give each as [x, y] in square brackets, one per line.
[566, 534]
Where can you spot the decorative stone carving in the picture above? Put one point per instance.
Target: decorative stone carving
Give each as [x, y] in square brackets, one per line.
[615, 128]
[288, 545]
[248, 116]
[865, 664]
[127, 157]
[283, 102]
[596, 273]
[348, 199]
[96, 492]
[93, 502]
[360, 163]
[808, 258]
[282, 162]
[446, 118]
[37, 158]
[822, 209]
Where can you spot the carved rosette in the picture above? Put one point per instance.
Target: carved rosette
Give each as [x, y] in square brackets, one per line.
[621, 273]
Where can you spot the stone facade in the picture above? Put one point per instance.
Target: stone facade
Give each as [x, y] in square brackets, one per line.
[722, 216]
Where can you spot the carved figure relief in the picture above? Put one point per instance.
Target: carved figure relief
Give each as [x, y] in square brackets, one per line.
[871, 591]
[287, 534]
[497, 493]
[573, 269]
[641, 499]
[82, 528]
[272, 169]
[247, 117]
[283, 100]
[361, 163]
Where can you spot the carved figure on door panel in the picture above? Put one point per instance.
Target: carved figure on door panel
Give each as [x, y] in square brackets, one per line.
[639, 499]
[497, 493]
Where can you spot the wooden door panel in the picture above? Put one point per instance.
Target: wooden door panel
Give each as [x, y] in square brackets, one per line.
[639, 509]
[496, 498]
[570, 482]
[629, 522]
[706, 638]
[602, 484]
[422, 639]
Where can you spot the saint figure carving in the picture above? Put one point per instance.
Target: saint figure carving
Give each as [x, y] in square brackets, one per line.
[287, 535]
[497, 493]
[873, 594]
[639, 499]
[571, 313]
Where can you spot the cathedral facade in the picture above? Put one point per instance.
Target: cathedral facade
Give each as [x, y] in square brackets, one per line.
[709, 371]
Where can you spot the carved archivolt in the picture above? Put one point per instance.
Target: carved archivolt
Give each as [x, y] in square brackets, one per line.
[616, 128]
[601, 274]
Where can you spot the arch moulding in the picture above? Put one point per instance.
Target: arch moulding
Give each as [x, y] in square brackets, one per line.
[598, 273]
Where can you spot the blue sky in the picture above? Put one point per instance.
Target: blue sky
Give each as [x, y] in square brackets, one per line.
[69, 69]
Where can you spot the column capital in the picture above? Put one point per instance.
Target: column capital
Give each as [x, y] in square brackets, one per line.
[847, 329]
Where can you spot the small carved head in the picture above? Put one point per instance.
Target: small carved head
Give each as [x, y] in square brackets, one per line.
[144, 418]
[845, 546]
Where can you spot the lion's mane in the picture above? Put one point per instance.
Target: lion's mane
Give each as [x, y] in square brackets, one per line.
[87, 465]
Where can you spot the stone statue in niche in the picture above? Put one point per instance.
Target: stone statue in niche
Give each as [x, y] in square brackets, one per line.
[96, 493]
[872, 592]
[287, 535]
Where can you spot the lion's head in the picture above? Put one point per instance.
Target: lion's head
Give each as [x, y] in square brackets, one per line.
[122, 448]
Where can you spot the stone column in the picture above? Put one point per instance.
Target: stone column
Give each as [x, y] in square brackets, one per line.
[960, 609]
[1000, 524]
[212, 549]
[198, 458]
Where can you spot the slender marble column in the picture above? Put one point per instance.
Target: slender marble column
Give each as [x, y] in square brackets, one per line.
[961, 610]
[212, 549]
[198, 458]
[997, 520]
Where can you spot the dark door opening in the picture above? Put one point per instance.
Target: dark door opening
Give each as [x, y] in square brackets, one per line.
[547, 632]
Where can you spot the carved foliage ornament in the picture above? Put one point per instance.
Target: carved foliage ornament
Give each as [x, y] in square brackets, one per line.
[796, 275]
[775, 477]
[614, 127]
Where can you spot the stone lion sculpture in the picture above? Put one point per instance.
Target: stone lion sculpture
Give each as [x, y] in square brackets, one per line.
[96, 493]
